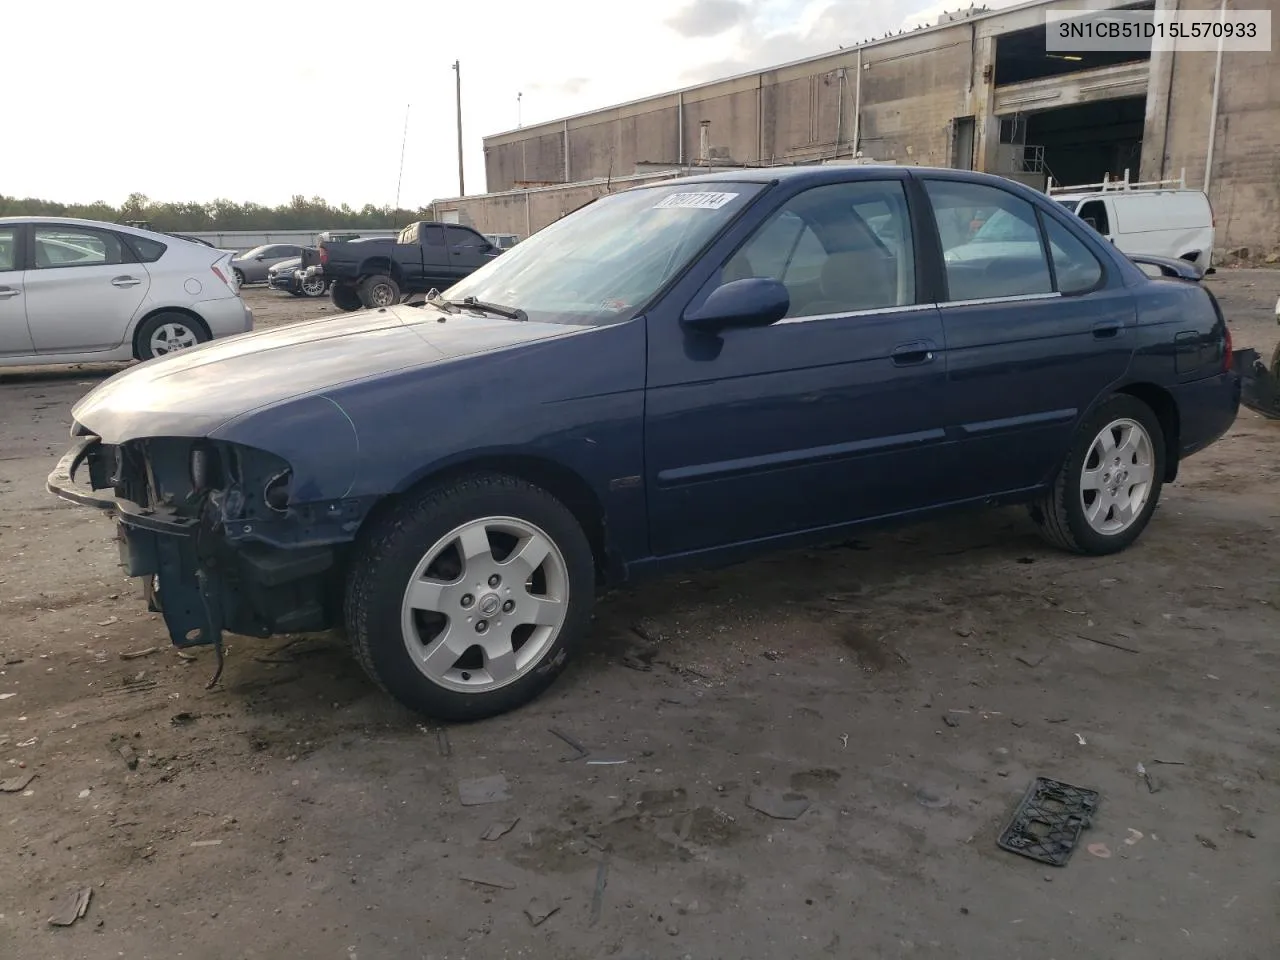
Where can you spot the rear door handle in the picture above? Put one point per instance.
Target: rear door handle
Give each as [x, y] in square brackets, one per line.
[7, 292]
[912, 354]
[1106, 329]
[125, 282]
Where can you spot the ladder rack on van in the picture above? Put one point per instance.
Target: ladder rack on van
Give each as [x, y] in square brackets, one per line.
[1108, 184]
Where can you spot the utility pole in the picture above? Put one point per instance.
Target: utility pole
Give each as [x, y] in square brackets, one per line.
[519, 98]
[457, 69]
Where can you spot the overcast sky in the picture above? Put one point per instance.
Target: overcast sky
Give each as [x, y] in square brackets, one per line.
[260, 101]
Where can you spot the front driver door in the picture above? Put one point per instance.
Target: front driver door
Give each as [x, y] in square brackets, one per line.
[468, 251]
[833, 414]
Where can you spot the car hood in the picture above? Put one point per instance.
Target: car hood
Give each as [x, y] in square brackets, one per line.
[193, 392]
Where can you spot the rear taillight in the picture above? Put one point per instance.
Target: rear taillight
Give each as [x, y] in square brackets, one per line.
[218, 273]
[324, 256]
[1226, 348]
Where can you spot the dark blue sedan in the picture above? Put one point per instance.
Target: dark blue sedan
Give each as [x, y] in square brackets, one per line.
[688, 373]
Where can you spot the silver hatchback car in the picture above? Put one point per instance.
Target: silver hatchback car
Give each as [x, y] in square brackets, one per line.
[83, 291]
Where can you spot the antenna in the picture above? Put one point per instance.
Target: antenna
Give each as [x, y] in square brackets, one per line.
[400, 176]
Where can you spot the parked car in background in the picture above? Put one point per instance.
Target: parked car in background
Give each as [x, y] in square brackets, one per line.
[642, 386]
[252, 265]
[376, 273]
[1176, 223]
[287, 276]
[82, 291]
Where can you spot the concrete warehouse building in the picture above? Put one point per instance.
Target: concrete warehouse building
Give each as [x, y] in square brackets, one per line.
[976, 91]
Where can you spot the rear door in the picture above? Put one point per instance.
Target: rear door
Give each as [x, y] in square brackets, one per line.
[15, 336]
[468, 251]
[83, 288]
[1035, 333]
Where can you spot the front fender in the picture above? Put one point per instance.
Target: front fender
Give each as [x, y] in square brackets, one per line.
[314, 435]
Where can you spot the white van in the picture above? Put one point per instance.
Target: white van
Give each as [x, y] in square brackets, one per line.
[1165, 223]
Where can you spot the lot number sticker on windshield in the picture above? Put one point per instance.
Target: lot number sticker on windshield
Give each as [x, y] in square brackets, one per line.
[694, 201]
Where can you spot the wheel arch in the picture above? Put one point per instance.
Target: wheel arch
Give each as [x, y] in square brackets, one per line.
[1165, 408]
[562, 482]
[383, 265]
[183, 311]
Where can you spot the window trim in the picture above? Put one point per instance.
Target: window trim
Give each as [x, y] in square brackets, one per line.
[127, 255]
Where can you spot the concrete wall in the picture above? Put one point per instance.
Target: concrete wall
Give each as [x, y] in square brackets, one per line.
[911, 88]
[1244, 186]
[897, 100]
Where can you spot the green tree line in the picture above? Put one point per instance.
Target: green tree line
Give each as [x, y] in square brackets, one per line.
[300, 213]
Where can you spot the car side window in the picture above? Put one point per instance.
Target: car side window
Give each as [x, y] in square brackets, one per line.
[838, 248]
[432, 236]
[1094, 213]
[149, 251]
[1075, 267]
[76, 247]
[460, 237]
[8, 248]
[991, 242]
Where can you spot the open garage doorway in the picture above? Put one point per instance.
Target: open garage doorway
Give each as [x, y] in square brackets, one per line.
[1088, 142]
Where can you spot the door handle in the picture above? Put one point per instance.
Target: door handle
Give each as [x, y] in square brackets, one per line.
[125, 282]
[1106, 329]
[912, 354]
[7, 292]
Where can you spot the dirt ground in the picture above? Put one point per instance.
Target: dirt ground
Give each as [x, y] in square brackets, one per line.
[909, 685]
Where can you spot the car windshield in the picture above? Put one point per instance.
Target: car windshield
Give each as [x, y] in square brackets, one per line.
[604, 261]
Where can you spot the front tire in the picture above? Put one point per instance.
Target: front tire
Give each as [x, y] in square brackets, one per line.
[1109, 485]
[466, 600]
[379, 290]
[345, 297]
[312, 287]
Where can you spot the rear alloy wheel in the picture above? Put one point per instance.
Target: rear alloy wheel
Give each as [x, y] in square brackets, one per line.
[466, 601]
[312, 286]
[167, 333]
[379, 291]
[1110, 483]
[239, 275]
[345, 297]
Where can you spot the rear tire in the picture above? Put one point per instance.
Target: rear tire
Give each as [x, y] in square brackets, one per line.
[345, 297]
[239, 275]
[1108, 487]
[167, 333]
[466, 635]
[379, 290]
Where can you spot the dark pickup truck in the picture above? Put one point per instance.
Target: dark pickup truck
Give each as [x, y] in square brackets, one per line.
[376, 273]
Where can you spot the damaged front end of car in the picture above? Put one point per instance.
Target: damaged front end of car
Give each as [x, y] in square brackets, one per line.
[213, 530]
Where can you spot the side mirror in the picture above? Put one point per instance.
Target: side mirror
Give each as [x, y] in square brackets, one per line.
[753, 302]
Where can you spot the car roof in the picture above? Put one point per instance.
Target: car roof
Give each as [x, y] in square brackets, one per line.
[76, 222]
[834, 173]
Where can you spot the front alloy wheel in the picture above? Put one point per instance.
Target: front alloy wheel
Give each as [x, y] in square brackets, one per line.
[466, 599]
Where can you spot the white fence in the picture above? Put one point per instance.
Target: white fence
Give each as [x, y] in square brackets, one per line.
[248, 239]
